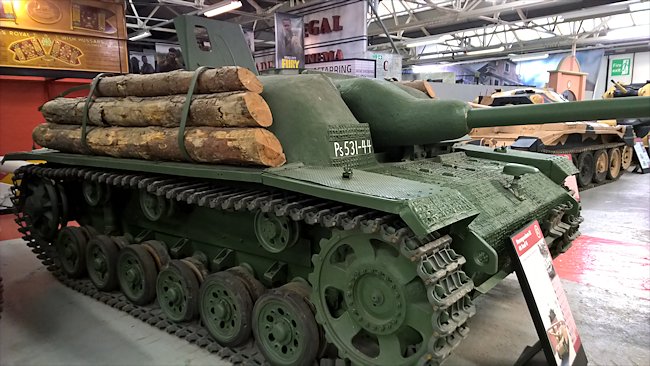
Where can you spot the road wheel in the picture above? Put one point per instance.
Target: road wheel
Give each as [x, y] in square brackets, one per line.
[226, 308]
[101, 261]
[71, 246]
[285, 330]
[585, 164]
[177, 290]
[627, 157]
[601, 166]
[614, 170]
[136, 273]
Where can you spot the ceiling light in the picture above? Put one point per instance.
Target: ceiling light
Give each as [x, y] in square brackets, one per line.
[422, 42]
[220, 8]
[140, 35]
[518, 58]
[645, 5]
[420, 69]
[487, 50]
[178, 2]
[635, 32]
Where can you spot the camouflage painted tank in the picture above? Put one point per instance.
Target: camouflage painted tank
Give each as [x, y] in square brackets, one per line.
[368, 245]
[600, 150]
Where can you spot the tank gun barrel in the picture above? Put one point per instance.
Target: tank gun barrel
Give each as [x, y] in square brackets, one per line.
[619, 86]
[396, 118]
[632, 107]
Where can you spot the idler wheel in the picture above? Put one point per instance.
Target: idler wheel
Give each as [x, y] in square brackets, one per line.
[177, 290]
[101, 261]
[136, 272]
[71, 247]
[285, 329]
[585, 163]
[601, 166]
[226, 305]
[615, 163]
[42, 208]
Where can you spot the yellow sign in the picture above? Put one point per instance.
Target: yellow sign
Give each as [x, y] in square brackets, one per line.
[290, 64]
[79, 35]
[87, 17]
[61, 51]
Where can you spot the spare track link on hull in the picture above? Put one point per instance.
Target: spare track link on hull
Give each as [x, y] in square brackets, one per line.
[296, 206]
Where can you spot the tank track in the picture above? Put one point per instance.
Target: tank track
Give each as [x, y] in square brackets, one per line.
[579, 149]
[435, 261]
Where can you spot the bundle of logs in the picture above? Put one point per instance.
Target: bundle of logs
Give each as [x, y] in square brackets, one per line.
[138, 116]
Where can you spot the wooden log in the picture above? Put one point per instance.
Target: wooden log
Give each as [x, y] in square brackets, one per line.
[238, 146]
[422, 86]
[230, 109]
[222, 79]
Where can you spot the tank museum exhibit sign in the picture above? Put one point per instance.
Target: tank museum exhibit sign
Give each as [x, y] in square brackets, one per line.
[546, 299]
[363, 68]
[76, 35]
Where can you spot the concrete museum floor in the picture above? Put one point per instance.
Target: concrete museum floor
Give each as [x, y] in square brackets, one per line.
[606, 275]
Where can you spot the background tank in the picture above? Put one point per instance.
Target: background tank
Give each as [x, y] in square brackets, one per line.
[601, 151]
[368, 244]
[641, 126]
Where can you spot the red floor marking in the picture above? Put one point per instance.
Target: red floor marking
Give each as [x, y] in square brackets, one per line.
[606, 263]
[8, 227]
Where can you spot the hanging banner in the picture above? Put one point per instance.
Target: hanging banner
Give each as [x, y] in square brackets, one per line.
[289, 41]
[335, 31]
[168, 57]
[264, 60]
[546, 298]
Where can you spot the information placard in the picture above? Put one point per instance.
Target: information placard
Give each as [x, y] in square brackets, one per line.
[546, 298]
[642, 155]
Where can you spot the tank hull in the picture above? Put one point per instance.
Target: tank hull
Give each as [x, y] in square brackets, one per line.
[213, 216]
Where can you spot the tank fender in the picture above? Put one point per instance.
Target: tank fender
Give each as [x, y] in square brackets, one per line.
[557, 168]
[424, 207]
[436, 211]
[451, 209]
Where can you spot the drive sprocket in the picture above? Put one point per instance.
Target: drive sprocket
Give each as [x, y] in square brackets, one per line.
[378, 308]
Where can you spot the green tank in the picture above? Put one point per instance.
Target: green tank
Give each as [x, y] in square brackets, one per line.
[368, 245]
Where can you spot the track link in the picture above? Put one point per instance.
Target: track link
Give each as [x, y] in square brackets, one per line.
[437, 264]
